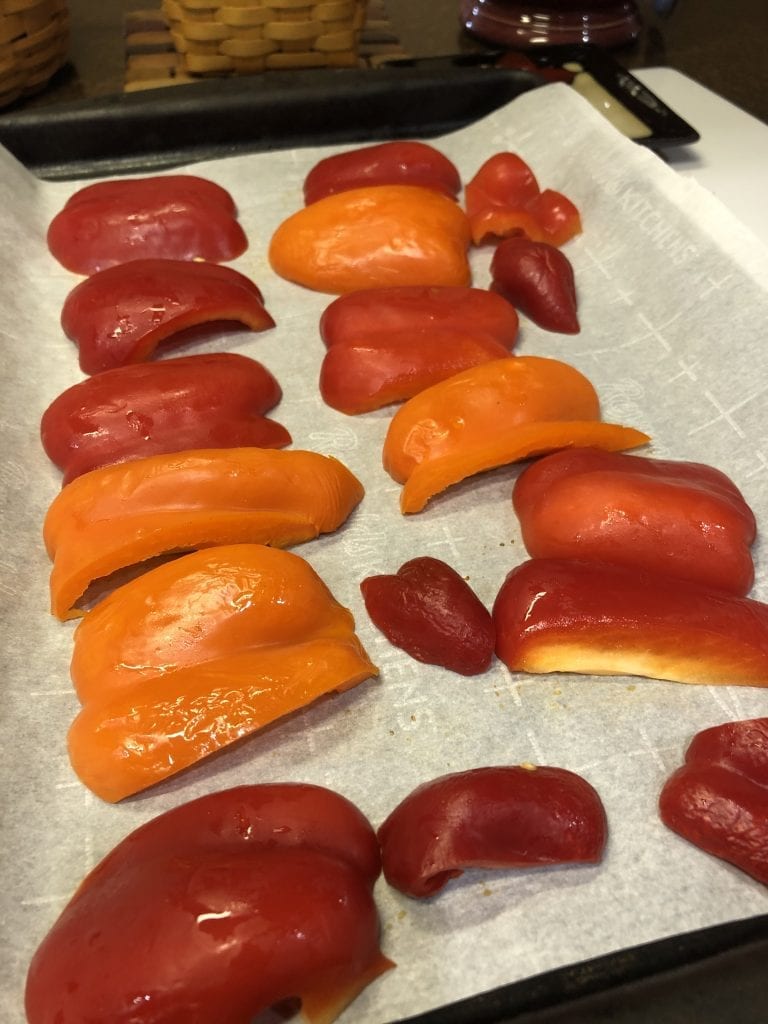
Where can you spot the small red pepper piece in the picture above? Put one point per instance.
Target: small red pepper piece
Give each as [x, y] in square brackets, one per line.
[175, 216]
[431, 612]
[497, 817]
[217, 910]
[566, 615]
[682, 519]
[538, 280]
[718, 800]
[388, 163]
[120, 315]
[504, 199]
[356, 315]
[381, 368]
[212, 400]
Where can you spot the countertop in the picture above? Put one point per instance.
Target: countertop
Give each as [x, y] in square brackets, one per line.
[722, 46]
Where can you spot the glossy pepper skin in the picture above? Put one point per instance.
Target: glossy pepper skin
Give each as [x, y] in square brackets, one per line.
[383, 369]
[432, 613]
[718, 799]
[373, 237]
[566, 615]
[504, 199]
[121, 515]
[215, 911]
[213, 400]
[509, 816]
[174, 216]
[356, 315]
[681, 519]
[402, 162]
[120, 315]
[538, 280]
[492, 415]
[198, 653]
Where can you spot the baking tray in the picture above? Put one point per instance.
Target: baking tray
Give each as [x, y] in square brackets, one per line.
[215, 118]
[712, 975]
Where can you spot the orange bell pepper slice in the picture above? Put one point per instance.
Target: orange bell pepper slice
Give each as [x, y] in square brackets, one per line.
[374, 237]
[200, 652]
[489, 416]
[121, 515]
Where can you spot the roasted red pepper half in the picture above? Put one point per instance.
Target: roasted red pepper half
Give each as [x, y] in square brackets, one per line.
[120, 315]
[357, 315]
[212, 400]
[504, 199]
[566, 615]
[718, 800]
[218, 910]
[388, 163]
[538, 280]
[431, 612]
[174, 216]
[683, 519]
[382, 369]
[510, 816]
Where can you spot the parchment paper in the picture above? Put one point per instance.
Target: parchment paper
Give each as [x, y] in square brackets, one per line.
[674, 309]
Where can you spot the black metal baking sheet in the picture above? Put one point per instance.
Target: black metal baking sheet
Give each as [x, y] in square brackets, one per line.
[216, 118]
[713, 976]
[222, 117]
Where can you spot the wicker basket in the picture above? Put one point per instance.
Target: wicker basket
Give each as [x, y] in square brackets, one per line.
[34, 37]
[250, 36]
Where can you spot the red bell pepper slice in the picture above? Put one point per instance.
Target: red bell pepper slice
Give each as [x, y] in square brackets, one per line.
[165, 216]
[212, 400]
[682, 519]
[496, 817]
[718, 800]
[356, 315]
[388, 163]
[538, 280]
[382, 368]
[120, 315]
[504, 199]
[566, 615]
[216, 911]
[431, 612]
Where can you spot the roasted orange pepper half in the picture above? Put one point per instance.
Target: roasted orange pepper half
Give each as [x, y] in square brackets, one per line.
[489, 416]
[121, 515]
[200, 652]
[374, 237]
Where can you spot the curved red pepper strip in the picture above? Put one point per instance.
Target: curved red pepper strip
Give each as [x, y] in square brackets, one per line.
[497, 817]
[120, 315]
[388, 163]
[218, 910]
[167, 216]
[538, 280]
[566, 615]
[682, 519]
[504, 199]
[356, 315]
[431, 612]
[718, 800]
[384, 368]
[212, 400]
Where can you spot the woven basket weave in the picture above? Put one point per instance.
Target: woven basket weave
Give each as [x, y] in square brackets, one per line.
[34, 37]
[250, 36]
